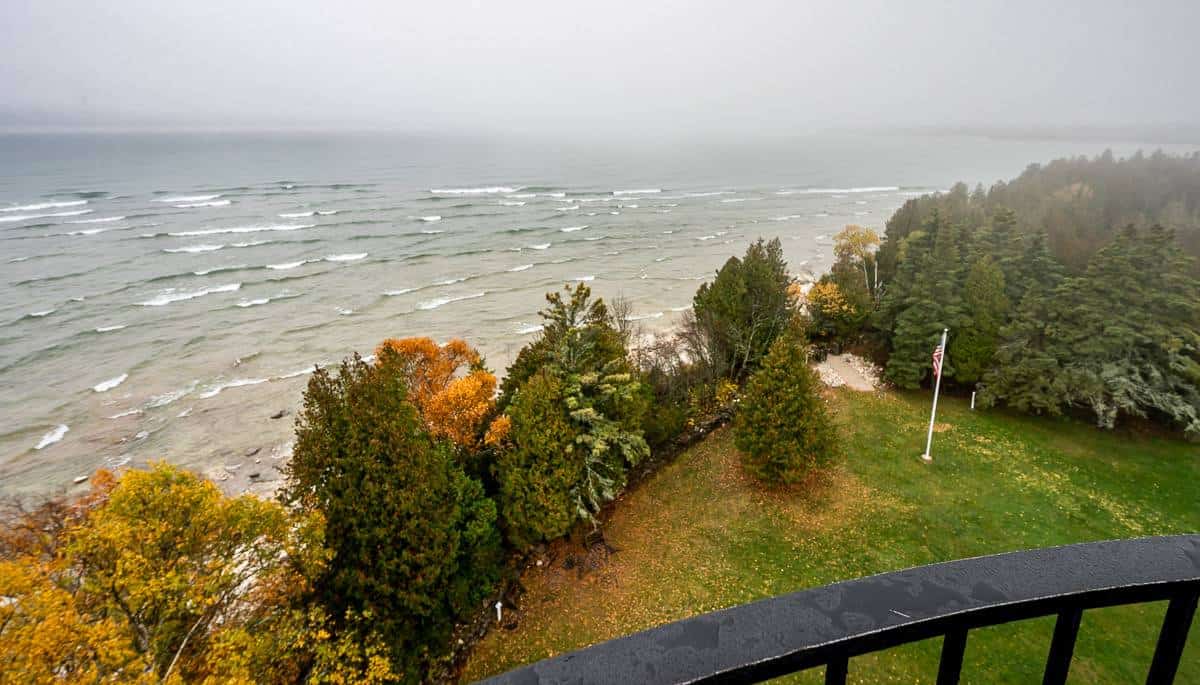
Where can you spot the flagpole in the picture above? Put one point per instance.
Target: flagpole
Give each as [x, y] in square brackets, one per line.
[937, 386]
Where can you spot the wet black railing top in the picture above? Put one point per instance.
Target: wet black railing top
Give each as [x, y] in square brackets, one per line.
[829, 625]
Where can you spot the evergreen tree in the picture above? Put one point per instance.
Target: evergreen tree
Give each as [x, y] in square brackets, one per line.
[413, 539]
[783, 427]
[745, 308]
[987, 308]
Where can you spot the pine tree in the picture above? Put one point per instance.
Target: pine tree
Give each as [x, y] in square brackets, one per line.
[782, 427]
[975, 344]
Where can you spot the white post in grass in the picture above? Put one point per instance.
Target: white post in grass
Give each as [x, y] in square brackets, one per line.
[937, 386]
[498, 609]
[972, 400]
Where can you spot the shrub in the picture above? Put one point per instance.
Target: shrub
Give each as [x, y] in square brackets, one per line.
[783, 428]
[413, 539]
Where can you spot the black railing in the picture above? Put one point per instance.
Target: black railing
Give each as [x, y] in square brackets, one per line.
[828, 626]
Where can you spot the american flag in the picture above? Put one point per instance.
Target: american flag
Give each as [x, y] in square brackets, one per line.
[937, 361]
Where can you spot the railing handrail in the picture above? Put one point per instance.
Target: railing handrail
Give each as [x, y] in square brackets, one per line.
[828, 625]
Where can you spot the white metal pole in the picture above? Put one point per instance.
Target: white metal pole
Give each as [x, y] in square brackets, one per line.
[972, 400]
[937, 386]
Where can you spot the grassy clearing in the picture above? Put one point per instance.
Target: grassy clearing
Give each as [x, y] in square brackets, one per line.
[701, 536]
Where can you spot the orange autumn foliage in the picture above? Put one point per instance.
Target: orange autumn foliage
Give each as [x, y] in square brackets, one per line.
[453, 405]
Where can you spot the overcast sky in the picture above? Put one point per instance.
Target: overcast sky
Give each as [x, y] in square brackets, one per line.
[610, 66]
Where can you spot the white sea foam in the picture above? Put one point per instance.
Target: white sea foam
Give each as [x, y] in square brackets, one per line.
[402, 291]
[661, 259]
[28, 217]
[251, 243]
[435, 303]
[127, 412]
[43, 205]
[198, 205]
[44, 312]
[14, 260]
[86, 231]
[733, 199]
[787, 217]
[584, 279]
[107, 329]
[298, 372]
[172, 296]
[628, 206]
[489, 190]
[242, 229]
[511, 203]
[193, 248]
[525, 196]
[103, 220]
[595, 238]
[215, 390]
[253, 303]
[706, 237]
[560, 194]
[526, 329]
[111, 383]
[684, 308]
[342, 311]
[838, 191]
[643, 317]
[169, 397]
[568, 209]
[429, 231]
[452, 281]
[216, 269]
[572, 229]
[708, 194]
[52, 437]
[295, 215]
[637, 191]
[431, 217]
[188, 198]
[346, 257]
[523, 267]
[287, 265]
[540, 246]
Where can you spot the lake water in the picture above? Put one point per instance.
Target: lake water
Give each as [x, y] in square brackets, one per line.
[163, 295]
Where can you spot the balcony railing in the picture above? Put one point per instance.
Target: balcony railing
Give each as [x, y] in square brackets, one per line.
[829, 626]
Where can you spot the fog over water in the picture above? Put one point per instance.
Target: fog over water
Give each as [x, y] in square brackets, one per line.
[619, 68]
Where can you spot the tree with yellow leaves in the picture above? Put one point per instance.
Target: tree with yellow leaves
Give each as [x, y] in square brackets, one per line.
[857, 246]
[453, 405]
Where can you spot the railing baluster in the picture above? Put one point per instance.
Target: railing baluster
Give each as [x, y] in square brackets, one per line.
[953, 646]
[1171, 638]
[835, 671]
[1062, 647]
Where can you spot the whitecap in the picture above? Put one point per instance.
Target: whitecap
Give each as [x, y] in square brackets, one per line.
[169, 397]
[708, 194]
[295, 215]
[298, 372]
[251, 243]
[839, 191]
[540, 246]
[127, 412]
[111, 383]
[489, 190]
[52, 437]
[87, 231]
[216, 269]
[188, 198]
[452, 281]
[668, 232]
[614, 213]
[584, 279]
[106, 329]
[242, 229]
[14, 260]
[253, 303]
[706, 237]
[628, 206]
[346, 257]
[103, 220]
[215, 390]
[661, 259]
[435, 303]
[524, 195]
[431, 217]
[171, 296]
[526, 329]
[643, 317]
[193, 249]
[431, 232]
[639, 191]
[554, 194]
[402, 291]
[44, 205]
[28, 217]
[342, 311]
[44, 312]
[568, 209]
[287, 265]
[510, 203]
[684, 308]
[733, 199]
[523, 267]
[198, 205]
[595, 238]
[787, 217]
[326, 212]
[572, 229]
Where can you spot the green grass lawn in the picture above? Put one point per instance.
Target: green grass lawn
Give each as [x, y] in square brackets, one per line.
[700, 536]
